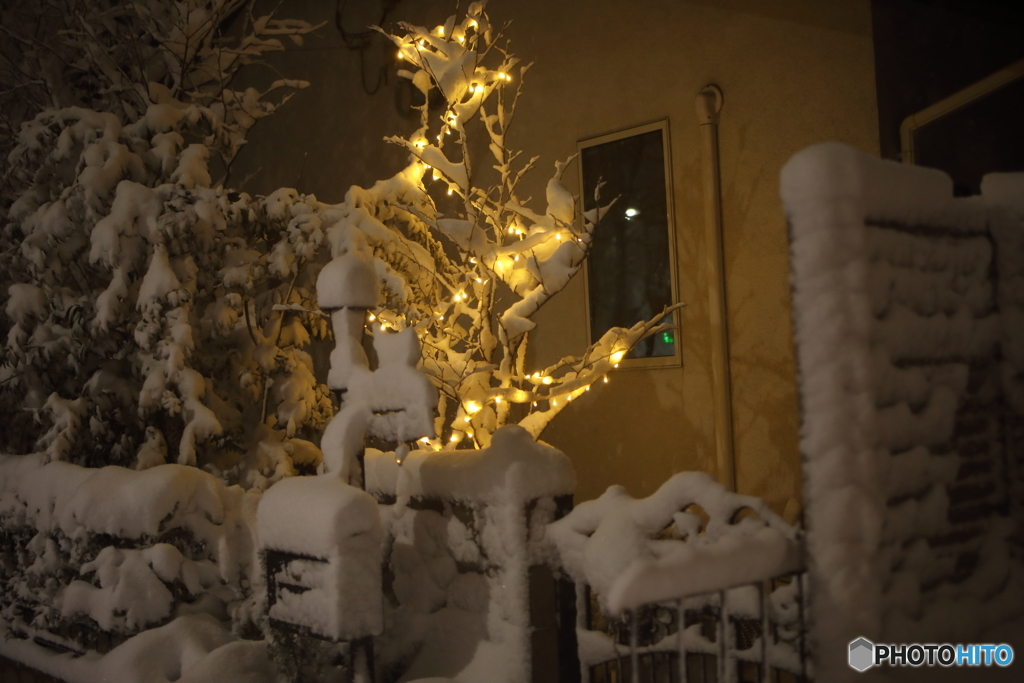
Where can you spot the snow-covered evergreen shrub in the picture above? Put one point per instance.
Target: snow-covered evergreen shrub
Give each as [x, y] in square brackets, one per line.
[145, 306]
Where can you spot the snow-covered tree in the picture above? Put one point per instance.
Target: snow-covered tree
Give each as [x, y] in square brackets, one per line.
[462, 258]
[142, 299]
[152, 314]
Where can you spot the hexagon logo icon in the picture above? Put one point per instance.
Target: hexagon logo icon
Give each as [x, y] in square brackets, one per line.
[862, 654]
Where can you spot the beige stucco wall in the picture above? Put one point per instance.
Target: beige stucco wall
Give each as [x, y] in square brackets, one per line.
[794, 72]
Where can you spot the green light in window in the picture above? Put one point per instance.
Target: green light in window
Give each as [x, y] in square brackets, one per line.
[668, 337]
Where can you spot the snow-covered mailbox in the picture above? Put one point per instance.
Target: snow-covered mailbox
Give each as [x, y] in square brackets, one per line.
[322, 543]
[908, 308]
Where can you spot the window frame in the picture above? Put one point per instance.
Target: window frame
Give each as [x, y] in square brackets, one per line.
[675, 360]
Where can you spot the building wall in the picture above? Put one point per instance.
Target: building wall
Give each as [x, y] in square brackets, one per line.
[793, 72]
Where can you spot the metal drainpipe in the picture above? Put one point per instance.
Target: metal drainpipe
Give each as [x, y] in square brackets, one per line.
[709, 104]
[950, 104]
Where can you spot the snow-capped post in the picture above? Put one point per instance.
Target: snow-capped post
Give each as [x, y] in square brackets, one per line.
[395, 402]
[321, 536]
[347, 288]
[321, 545]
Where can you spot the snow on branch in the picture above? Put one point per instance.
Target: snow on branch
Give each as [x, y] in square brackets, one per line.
[464, 260]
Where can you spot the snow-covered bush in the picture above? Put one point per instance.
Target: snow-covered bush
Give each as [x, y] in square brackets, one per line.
[146, 306]
[461, 257]
[91, 554]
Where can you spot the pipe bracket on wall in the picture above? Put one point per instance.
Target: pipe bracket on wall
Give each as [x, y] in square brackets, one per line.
[709, 105]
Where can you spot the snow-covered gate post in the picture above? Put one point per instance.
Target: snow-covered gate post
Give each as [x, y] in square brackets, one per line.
[321, 536]
[470, 589]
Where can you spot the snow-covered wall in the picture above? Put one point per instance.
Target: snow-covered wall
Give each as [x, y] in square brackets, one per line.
[908, 328]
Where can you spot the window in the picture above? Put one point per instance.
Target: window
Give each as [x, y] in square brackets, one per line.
[630, 270]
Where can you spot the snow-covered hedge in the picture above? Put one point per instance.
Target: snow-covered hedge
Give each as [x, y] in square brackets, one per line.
[92, 556]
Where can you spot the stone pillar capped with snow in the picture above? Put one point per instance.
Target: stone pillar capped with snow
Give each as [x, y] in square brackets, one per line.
[395, 402]
[347, 288]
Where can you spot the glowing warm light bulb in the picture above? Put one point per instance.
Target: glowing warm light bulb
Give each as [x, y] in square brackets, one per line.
[547, 379]
[455, 437]
[588, 388]
[461, 39]
[617, 356]
[419, 144]
[425, 440]
[449, 190]
[472, 23]
[400, 55]
[465, 419]
[469, 434]
[516, 257]
[606, 380]
[559, 236]
[440, 30]
[472, 407]
[472, 259]
[554, 402]
[497, 399]
[372, 317]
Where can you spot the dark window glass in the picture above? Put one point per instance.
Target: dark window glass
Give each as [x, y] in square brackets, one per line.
[629, 272]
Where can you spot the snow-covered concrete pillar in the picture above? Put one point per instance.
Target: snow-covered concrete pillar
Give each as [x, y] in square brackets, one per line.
[469, 562]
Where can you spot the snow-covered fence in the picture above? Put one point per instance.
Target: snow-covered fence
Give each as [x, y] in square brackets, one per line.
[91, 557]
[908, 308]
[468, 588]
[683, 584]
